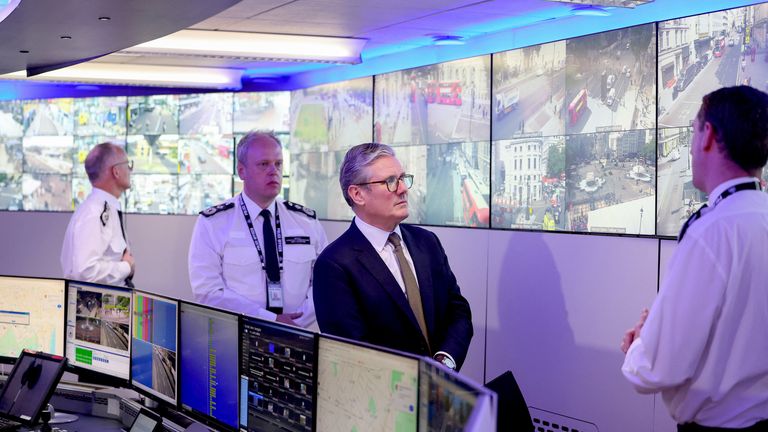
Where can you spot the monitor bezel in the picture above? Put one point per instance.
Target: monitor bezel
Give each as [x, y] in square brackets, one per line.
[152, 394]
[12, 360]
[90, 375]
[197, 415]
[246, 319]
[362, 344]
[61, 363]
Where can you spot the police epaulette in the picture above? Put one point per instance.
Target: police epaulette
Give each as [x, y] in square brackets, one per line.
[210, 211]
[300, 208]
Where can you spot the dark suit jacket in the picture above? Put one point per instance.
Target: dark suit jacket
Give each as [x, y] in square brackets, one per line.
[357, 297]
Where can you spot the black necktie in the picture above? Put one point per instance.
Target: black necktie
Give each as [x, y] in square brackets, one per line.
[270, 248]
[129, 279]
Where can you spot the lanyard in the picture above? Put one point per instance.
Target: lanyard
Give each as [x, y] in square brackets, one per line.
[278, 234]
[754, 185]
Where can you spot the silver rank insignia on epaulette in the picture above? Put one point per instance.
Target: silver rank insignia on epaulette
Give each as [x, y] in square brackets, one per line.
[210, 211]
[300, 208]
[105, 214]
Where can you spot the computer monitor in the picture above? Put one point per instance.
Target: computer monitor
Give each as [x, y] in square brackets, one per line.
[361, 387]
[99, 330]
[446, 399]
[30, 386]
[154, 347]
[32, 315]
[277, 371]
[208, 360]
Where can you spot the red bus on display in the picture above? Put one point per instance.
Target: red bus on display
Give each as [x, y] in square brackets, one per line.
[577, 106]
[476, 211]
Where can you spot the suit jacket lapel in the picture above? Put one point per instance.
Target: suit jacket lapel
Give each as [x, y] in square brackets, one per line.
[420, 259]
[373, 263]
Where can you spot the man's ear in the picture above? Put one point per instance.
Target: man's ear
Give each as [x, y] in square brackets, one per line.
[709, 137]
[356, 194]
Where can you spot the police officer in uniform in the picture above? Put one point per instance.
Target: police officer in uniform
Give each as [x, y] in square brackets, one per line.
[255, 252]
[95, 247]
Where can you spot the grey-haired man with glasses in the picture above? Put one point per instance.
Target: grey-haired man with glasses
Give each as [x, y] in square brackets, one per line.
[95, 247]
[385, 283]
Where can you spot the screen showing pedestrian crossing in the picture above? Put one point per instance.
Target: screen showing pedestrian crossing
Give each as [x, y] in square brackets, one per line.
[99, 328]
[154, 361]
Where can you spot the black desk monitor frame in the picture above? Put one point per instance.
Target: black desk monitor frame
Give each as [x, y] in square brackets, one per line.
[32, 382]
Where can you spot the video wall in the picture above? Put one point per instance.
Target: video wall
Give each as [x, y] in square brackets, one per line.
[589, 134]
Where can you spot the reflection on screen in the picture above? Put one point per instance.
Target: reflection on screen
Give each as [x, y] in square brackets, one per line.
[276, 382]
[153, 350]
[445, 402]
[208, 361]
[360, 388]
[31, 315]
[99, 328]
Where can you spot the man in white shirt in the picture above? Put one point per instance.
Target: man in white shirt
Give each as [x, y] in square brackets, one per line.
[95, 247]
[386, 283]
[254, 253]
[704, 342]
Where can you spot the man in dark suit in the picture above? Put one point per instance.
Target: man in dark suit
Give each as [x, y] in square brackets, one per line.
[385, 283]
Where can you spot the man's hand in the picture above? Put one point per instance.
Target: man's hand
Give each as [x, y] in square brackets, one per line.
[287, 318]
[634, 332]
[127, 257]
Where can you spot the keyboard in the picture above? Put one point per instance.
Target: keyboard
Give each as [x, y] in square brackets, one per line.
[8, 425]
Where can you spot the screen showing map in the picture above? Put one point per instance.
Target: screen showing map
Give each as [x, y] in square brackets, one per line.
[361, 388]
[31, 315]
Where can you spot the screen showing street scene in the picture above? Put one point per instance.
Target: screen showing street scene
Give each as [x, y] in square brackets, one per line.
[100, 116]
[331, 116]
[441, 103]
[678, 198]
[81, 188]
[84, 144]
[205, 114]
[600, 182]
[11, 197]
[702, 53]
[198, 192]
[206, 154]
[529, 91]
[48, 154]
[153, 193]
[11, 119]
[47, 192]
[154, 154]
[153, 115]
[48, 117]
[610, 81]
[314, 183]
[262, 111]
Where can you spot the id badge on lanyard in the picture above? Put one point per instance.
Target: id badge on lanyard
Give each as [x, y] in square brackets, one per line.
[274, 294]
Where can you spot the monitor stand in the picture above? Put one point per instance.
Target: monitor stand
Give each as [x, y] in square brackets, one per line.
[59, 417]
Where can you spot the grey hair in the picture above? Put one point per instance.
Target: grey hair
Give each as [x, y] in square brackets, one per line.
[245, 143]
[358, 158]
[98, 158]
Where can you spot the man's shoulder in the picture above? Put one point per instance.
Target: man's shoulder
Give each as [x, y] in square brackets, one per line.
[218, 208]
[417, 232]
[345, 246]
[300, 210]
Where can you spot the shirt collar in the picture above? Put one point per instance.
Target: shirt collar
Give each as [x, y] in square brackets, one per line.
[376, 236]
[254, 209]
[726, 184]
[108, 197]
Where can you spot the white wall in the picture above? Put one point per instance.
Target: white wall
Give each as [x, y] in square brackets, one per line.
[550, 307]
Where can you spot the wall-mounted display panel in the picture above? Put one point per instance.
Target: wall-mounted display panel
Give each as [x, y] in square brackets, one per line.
[206, 154]
[48, 154]
[205, 114]
[610, 81]
[440, 103]
[198, 192]
[331, 116]
[678, 198]
[154, 154]
[48, 117]
[261, 111]
[153, 193]
[153, 115]
[11, 119]
[46, 192]
[100, 116]
[84, 144]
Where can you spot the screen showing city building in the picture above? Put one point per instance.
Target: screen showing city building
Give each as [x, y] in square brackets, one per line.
[262, 111]
[208, 363]
[361, 388]
[445, 401]
[277, 382]
[153, 346]
[31, 315]
[99, 328]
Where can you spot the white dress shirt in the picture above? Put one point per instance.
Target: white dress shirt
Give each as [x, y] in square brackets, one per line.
[225, 269]
[93, 243]
[704, 343]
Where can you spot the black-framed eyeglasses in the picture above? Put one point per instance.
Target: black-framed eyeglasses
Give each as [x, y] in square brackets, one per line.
[393, 181]
[129, 162]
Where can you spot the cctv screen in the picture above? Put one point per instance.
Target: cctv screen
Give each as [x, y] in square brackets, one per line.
[153, 346]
